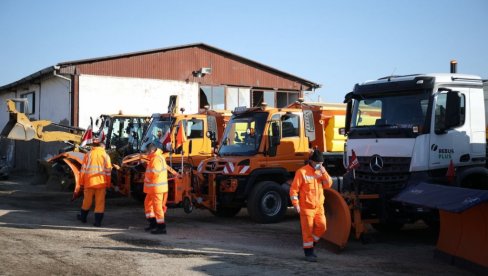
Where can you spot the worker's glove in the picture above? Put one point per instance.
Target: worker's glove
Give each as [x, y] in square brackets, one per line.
[297, 208]
[75, 196]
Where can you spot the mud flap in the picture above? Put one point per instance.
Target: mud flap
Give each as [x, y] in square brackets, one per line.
[338, 217]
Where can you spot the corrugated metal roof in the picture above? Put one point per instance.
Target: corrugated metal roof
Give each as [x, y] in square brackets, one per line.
[201, 45]
[69, 65]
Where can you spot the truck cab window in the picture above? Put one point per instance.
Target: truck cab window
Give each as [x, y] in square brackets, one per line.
[194, 129]
[290, 125]
[440, 112]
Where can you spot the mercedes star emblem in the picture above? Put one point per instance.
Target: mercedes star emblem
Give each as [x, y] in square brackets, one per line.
[213, 166]
[376, 163]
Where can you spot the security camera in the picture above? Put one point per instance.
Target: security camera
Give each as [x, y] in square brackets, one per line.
[206, 70]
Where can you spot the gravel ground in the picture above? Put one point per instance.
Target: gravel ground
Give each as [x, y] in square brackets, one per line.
[39, 235]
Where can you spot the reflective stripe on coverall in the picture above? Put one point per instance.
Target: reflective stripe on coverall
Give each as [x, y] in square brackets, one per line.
[155, 186]
[95, 177]
[307, 192]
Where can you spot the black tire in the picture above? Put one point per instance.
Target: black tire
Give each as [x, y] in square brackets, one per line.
[267, 202]
[226, 212]
[387, 227]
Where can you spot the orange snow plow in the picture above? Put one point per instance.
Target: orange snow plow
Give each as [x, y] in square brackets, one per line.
[338, 217]
[463, 236]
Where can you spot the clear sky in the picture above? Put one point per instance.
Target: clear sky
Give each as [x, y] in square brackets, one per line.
[333, 43]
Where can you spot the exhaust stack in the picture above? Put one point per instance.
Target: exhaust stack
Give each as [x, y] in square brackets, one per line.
[453, 66]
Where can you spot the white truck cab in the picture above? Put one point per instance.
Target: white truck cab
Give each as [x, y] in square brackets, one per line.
[407, 129]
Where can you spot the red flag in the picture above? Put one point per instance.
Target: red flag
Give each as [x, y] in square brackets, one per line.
[180, 136]
[353, 163]
[87, 136]
[451, 172]
[165, 140]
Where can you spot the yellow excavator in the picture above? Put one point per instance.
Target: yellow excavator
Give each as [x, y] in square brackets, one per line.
[122, 136]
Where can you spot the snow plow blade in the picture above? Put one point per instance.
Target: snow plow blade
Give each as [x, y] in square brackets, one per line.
[338, 218]
[463, 234]
[61, 172]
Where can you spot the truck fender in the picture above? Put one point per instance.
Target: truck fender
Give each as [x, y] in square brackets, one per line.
[278, 175]
[473, 177]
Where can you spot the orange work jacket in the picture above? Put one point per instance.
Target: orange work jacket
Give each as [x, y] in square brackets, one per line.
[307, 189]
[156, 175]
[96, 169]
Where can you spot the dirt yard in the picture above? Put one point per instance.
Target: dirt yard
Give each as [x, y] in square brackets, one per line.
[39, 235]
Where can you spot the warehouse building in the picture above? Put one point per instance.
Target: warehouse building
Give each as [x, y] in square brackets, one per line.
[140, 83]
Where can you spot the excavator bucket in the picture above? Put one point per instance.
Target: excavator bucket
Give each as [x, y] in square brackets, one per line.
[18, 129]
[338, 217]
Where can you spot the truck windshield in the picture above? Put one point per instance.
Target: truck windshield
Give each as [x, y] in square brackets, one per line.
[243, 134]
[157, 132]
[404, 110]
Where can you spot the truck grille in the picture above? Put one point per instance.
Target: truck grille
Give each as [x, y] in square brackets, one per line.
[388, 180]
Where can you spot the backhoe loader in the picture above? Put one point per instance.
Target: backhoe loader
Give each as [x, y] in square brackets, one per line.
[122, 136]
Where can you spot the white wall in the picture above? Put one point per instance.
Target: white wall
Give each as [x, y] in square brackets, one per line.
[54, 101]
[3, 107]
[107, 95]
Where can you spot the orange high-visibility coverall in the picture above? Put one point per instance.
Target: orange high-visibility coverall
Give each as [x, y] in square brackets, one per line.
[95, 177]
[307, 192]
[155, 186]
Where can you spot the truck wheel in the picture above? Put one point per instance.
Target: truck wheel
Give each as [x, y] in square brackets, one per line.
[226, 212]
[267, 202]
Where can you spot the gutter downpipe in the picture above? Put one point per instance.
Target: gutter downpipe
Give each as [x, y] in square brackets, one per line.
[55, 74]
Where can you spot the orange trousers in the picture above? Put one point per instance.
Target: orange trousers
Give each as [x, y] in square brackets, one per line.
[313, 225]
[155, 206]
[99, 194]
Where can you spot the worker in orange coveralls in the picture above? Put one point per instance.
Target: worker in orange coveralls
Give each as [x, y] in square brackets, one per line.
[156, 189]
[307, 196]
[95, 177]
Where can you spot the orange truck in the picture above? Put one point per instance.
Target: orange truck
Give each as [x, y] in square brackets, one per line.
[202, 132]
[259, 153]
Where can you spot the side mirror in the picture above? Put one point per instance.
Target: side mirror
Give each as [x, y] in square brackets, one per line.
[275, 138]
[347, 126]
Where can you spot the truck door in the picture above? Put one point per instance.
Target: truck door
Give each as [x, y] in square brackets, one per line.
[449, 138]
[288, 152]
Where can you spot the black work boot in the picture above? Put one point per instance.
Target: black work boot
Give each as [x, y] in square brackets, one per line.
[160, 229]
[313, 253]
[152, 224]
[309, 256]
[82, 215]
[98, 219]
